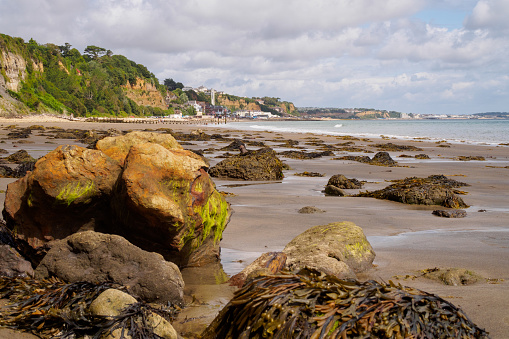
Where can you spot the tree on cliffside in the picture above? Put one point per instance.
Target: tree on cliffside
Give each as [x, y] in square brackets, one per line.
[95, 52]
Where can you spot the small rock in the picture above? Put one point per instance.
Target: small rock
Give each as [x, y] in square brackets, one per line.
[334, 191]
[450, 214]
[310, 210]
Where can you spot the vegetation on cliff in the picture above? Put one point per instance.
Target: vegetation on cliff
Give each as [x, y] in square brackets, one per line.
[66, 81]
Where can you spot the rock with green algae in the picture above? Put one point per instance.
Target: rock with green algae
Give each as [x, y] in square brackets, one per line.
[175, 210]
[339, 249]
[164, 201]
[68, 188]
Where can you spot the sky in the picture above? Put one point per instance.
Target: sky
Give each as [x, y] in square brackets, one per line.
[413, 56]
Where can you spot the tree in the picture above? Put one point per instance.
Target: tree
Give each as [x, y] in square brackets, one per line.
[65, 49]
[95, 52]
[172, 85]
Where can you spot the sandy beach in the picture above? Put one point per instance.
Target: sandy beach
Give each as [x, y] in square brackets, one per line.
[406, 238]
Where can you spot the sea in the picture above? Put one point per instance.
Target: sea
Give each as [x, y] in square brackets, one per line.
[473, 131]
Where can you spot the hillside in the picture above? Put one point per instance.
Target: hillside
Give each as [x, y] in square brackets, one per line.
[59, 79]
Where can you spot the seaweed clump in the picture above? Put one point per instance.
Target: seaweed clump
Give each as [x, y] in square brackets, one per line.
[433, 190]
[313, 305]
[51, 308]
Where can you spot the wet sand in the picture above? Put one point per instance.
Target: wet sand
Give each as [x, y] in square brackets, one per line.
[406, 238]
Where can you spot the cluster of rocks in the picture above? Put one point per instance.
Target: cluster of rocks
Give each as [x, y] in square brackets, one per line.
[141, 186]
[338, 182]
[339, 249]
[379, 159]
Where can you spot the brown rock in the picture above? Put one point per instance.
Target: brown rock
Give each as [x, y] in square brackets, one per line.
[97, 257]
[262, 164]
[118, 147]
[340, 181]
[267, 263]
[176, 210]
[13, 264]
[68, 188]
[450, 213]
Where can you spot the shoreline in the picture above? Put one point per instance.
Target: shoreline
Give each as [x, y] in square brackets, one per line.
[406, 238]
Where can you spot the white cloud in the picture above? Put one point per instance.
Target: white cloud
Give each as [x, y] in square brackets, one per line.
[315, 53]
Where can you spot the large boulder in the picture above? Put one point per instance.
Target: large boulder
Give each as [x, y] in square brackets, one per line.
[340, 249]
[97, 257]
[118, 147]
[176, 210]
[68, 188]
[262, 164]
[155, 194]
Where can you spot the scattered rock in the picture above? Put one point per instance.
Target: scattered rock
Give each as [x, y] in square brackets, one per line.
[310, 210]
[112, 302]
[267, 263]
[421, 156]
[382, 159]
[396, 148]
[305, 155]
[98, 257]
[309, 174]
[433, 190]
[470, 157]
[340, 181]
[13, 264]
[262, 164]
[339, 249]
[334, 191]
[454, 276]
[450, 214]
[234, 145]
[20, 157]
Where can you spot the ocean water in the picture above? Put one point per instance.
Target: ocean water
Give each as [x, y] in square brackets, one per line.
[491, 132]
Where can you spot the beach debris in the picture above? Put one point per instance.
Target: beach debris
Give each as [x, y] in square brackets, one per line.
[309, 174]
[340, 181]
[470, 157]
[450, 213]
[396, 148]
[433, 190]
[333, 191]
[340, 249]
[175, 210]
[311, 210]
[261, 164]
[98, 257]
[52, 308]
[303, 155]
[311, 304]
[267, 263]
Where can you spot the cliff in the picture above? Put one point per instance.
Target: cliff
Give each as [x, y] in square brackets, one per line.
[144, 93]
[237, 103]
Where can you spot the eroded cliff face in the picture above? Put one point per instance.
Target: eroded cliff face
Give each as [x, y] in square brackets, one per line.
[237, 104]
[144, 94]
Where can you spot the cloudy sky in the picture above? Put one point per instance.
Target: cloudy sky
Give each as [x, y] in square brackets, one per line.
[420, 56]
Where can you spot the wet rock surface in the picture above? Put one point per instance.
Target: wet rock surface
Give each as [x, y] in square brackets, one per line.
[262, 164]
[340, 181]
[433, 190]
[450, 213]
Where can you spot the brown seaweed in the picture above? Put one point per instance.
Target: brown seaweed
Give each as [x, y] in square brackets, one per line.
[314, 305]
